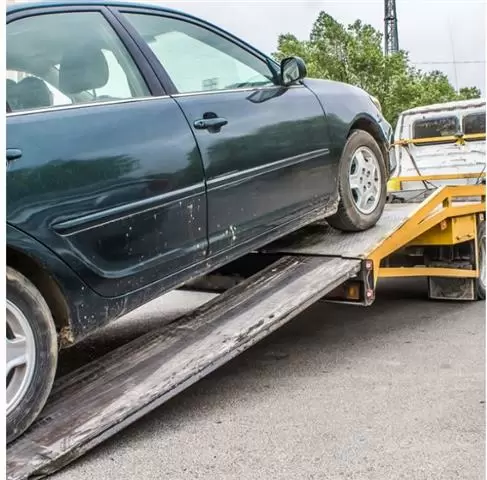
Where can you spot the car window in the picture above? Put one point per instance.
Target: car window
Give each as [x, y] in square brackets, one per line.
[436, 127]
[474, 123]
[198, 59]
[68, 58]
[14, 77]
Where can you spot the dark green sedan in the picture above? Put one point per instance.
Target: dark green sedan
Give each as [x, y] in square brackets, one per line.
[146, 147]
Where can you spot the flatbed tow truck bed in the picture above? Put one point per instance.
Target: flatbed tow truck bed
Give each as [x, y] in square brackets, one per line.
[436, 238]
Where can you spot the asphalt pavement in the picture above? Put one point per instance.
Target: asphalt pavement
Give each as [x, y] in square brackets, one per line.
[393, 391]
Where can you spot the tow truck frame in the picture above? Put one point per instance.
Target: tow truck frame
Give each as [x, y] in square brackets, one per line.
[437, 238]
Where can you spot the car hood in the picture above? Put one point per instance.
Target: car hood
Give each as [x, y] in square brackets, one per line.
[319, 84]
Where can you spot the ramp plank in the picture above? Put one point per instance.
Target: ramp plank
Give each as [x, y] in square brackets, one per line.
[321, 239]
[98, 400]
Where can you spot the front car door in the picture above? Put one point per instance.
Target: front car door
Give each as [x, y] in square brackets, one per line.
[102, 166]
[265, 148]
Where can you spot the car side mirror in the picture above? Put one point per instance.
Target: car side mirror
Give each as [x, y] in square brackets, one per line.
[293, 69]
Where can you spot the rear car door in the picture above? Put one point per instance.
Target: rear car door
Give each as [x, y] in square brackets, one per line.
[101, 164]
[265, 148]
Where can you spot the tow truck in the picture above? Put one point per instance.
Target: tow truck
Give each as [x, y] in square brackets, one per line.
[440, 237]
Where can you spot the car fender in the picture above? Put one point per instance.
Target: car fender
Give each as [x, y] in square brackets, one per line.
[346, 106]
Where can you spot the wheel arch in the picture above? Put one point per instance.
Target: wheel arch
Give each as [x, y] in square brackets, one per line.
[367, 124]
[34, 269]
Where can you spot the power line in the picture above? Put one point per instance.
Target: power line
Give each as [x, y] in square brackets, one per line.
[450, 62]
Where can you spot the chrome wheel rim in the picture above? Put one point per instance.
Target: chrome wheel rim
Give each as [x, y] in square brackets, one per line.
[20, 359]
[365, 180]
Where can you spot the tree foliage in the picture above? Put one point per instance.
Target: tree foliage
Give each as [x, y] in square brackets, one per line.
[467, 93]
[353, 54]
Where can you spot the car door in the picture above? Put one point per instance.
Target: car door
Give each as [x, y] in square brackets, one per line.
[102, 166]
[265, 148]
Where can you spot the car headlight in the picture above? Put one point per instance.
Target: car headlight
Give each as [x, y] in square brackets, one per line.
[376, 102]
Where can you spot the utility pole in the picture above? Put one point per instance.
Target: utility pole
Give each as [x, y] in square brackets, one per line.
[390, 27]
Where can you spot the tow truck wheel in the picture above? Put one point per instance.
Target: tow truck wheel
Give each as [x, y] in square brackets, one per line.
[31, 347]
[482, 259]
[362, 184]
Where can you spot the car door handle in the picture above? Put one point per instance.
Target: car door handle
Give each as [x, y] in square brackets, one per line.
[210, 123]
[13, 154]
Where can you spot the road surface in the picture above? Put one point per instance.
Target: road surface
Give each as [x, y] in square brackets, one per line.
[395, 391]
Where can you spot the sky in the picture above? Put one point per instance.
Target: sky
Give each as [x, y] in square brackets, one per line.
[430, 30]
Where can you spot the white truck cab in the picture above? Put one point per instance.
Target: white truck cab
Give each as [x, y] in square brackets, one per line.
[460, 123]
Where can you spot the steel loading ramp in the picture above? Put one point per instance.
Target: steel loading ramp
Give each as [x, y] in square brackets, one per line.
[100, 399]
[321, 239]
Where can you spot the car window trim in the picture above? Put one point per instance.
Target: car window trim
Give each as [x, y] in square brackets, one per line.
[234, 90]
[143, 99]
[33, 111]
[164, 77]
[145, 70]
[149, 56]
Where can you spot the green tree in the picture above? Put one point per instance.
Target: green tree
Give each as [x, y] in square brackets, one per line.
[467, 93]
[353, 54]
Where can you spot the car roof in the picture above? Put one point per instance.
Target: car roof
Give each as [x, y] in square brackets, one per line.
[26, 5]
[14, 7]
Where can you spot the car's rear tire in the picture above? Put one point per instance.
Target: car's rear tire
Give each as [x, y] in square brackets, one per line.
[32, 352]
[362, 184]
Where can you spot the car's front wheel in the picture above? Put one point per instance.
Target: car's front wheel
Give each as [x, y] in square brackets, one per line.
[32, 350]
[362, 184]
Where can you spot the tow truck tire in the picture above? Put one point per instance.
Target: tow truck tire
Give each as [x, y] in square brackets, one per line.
[361, 172]
[481, 246]
[32, 352]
